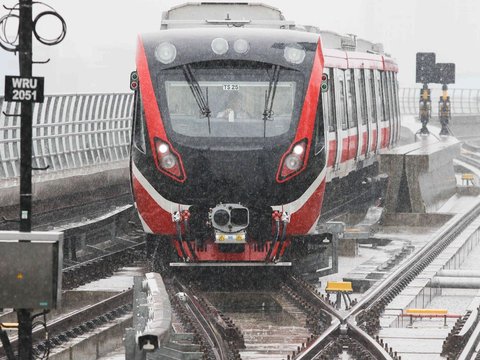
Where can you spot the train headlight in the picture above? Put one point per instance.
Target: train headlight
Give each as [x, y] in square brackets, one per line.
[163, 148]
[169, 161]
[293, 161]
[165, 52]
[298, 149]
[294, 54]
[219, 46]
[241, 46]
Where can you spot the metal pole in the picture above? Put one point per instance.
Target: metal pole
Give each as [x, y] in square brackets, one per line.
[25, 64]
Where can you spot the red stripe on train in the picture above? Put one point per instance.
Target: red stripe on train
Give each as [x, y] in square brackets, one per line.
[157, 219]
[302, 220]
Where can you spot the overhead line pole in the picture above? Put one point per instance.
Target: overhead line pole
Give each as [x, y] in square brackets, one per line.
[25, 65]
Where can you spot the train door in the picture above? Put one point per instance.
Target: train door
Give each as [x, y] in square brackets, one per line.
[391, 122]
[372, 111]
[330, 120]
[387, 118]
[397, 107]
[380, 108]
[363, 124]
[352, 114]
[342, 120]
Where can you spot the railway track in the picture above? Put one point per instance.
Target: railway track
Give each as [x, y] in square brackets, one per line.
[361, 322]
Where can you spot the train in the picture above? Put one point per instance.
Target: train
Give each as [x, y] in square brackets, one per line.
[248, 129]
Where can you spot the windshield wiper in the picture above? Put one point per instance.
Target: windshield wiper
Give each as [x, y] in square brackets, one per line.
[270, 97]
[202, 101]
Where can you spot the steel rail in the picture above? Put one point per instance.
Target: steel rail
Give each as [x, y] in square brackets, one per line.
[78, 317]
[415, 264]
[400, 277]
[217, 344]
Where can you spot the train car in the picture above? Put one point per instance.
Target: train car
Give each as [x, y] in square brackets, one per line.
[248, 129]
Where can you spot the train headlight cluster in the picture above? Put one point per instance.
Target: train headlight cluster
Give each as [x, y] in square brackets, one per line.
[165, 52]
[294, 54]
[293, 161]
[219, 46]
[169, 161]
[241, 46]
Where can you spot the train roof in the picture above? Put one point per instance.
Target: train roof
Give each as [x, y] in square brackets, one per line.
[343, 51]
[256, 15]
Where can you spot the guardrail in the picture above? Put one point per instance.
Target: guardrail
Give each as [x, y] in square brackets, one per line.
[463, 101]
[69, 131]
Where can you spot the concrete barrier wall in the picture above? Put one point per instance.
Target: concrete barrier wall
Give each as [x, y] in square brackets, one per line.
[430, 174]
[421, 174]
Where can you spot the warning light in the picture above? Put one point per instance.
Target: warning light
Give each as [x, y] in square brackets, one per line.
[20, 276]
[324, 86]
[133, 81]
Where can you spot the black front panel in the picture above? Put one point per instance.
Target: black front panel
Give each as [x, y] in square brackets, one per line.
[231, 157]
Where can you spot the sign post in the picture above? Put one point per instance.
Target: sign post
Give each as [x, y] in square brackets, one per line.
[26, 90]
[25, 63]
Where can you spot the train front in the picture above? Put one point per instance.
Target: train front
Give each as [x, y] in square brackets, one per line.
[228, 157]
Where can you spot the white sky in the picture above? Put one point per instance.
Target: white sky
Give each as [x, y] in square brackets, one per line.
[99, 51]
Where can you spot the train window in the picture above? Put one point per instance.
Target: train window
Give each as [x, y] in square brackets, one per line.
[328, 103]
[395, 96]
[237, 97]
[351, 99]
[380, 97]
[373, 98]
[340, 94]
[386, 95]
[391, 86]
[363, 97]
[139, 127]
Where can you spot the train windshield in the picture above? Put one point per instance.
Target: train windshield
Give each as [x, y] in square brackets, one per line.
[255, 101]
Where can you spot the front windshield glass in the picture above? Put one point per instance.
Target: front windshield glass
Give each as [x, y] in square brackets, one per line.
[238, 101]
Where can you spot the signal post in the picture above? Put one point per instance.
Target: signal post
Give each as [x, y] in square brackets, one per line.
[20, 278]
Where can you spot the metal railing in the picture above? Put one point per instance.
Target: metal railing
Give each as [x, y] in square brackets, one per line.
[464, 101]
[69, 132]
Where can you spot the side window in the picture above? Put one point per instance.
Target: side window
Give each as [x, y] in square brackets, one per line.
[391, 96]
[363, 97]
[351, 99]
[395, 96]
[380, 96]
[341, 98]
[139, 126]
[373, 97]
[328, 102]
[386, 94]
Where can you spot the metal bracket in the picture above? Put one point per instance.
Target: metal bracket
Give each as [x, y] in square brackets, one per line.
[41, 62]
[10, 115]
[10, 9]
[41, 168]
[9, 220]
